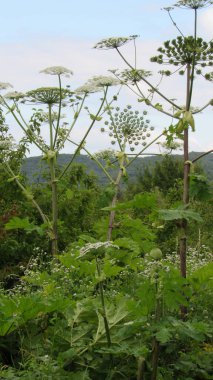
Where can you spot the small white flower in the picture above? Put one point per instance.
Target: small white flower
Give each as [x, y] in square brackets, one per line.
[57, 70]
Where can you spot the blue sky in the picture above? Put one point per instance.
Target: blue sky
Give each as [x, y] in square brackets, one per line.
[35, 35]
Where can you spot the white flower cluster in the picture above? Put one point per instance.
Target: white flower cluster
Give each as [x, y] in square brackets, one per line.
[114, 42]
[57, 70]
[94, 246]
[133, 75]
[195, 259]
[5, 85]
[14, 95]
[193, 4]
[96, 84]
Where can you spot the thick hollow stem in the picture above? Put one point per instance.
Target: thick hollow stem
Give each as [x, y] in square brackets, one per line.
[54, 237]
[106, 324]
[156, 344]
[114, 200]
[183, 230]
[155, 357]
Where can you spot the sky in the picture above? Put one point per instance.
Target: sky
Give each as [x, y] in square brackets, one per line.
[48, 33]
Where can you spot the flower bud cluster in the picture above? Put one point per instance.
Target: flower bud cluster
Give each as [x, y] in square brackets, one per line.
[128, 126]
[133, 75]
[185, 50]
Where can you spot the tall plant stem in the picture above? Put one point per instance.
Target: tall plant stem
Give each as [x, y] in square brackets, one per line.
[193, 63]
[156, 344]
[85, 136]
[94, 159]
[148, 83]
[52, 161]
[202, 155]
[106, 324]
[29, 134]
[115, 198]
[72, 125]
[59, 112]
[24, 190]
[183, 232]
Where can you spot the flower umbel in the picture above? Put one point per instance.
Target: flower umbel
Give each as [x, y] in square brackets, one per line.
[128, 126]
[114, 42]
[193, 4]
[95, 246]
[185, 50]
[5, 85]
[96, 84]
[103, 81]
[57, 70]
[133, 75]
[48, 95]
[14, 95]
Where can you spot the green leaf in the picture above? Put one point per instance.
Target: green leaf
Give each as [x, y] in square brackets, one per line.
[180, 213]
[140, 100]
[69, 194]
[140, 201]
[18, 223]
[204, 276]
[164, 335]
[188, 118]
[97, 118]
[178, 113]
[24, 224]
[159, 106]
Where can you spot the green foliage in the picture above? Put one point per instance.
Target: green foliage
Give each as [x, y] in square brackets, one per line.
[179, 213]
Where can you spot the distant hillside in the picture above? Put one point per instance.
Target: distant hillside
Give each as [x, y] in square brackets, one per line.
[34, 167]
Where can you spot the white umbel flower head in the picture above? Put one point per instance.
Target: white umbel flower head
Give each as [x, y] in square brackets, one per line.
[193, 4]
[96, 84]
[94, 246]
[14, 95]
[104, 81]
[5, 85]
[87, 88]
[57, 70]
[114, 42]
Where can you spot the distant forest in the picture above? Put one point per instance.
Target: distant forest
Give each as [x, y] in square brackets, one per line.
[34, 167]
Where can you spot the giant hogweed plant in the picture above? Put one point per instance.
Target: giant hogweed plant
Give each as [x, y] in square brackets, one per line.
[191, 56]
[48, 103]
[129, 132]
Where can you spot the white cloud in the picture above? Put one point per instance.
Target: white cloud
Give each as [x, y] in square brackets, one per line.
[206, 22]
